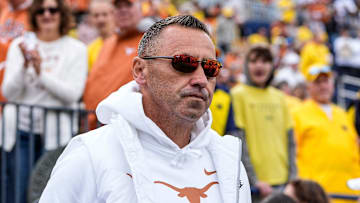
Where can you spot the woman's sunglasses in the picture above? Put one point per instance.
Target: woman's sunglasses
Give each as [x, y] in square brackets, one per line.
[52, 10]
[188, 64]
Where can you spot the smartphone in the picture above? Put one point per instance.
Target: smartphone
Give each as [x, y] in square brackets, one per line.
[30, 41]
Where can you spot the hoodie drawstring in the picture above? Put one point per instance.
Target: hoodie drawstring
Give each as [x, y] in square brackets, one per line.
[182, 155]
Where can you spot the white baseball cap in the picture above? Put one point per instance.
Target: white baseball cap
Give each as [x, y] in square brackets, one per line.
[354, 184]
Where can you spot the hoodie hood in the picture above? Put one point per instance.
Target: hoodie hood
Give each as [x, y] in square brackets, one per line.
[127, 103]
[251, 83]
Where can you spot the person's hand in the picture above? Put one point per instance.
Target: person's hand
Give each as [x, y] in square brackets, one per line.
[26, 54]
[36, 61]
[31, 57]
[265, 189]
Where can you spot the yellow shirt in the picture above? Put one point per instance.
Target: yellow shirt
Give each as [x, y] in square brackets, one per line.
[304, 34]
[287, 7]
[327, 150]
[263, 114]
[313, 53]
[94, 49]
[257, 39]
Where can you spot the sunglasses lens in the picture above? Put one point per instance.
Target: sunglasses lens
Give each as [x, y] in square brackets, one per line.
[53, 10]
[188, 64]
[40, 11]
[211, 67]
[184, 64]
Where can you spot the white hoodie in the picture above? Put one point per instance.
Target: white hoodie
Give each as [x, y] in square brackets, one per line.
[132, 160]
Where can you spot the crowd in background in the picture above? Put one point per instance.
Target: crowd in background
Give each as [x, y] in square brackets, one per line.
[76, 61]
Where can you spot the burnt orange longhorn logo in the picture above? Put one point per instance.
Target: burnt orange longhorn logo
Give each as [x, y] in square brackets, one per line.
[191, 193]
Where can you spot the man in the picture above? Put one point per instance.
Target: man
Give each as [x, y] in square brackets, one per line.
[158, 145]
[327, 147]
[113, 69]
[13, 23]
[102, 18]
[262, 115]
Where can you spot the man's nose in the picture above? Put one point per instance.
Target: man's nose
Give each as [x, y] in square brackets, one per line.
[198, 77]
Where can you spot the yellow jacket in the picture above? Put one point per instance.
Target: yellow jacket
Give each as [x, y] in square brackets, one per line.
[327, 149]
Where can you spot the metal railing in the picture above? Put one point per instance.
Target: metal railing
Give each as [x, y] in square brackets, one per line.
[347, 86]
[35, 124]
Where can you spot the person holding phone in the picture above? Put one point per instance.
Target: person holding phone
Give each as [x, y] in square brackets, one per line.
[48, 69]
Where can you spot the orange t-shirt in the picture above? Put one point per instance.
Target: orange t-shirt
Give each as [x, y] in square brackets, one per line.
[78, 5]
[112, 69]
[13, 23]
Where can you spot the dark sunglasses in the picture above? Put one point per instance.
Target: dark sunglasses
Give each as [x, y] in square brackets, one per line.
[188, 64]
[52, 10]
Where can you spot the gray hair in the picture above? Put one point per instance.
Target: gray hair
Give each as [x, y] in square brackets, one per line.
[148, 42]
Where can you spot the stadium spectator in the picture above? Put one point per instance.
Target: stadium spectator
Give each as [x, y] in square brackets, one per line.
[47, 69]
[300, 91]
[314, 52]
[327, 148]
[347, 53]
[13, 23]
[102, 17]
[278, 198]
[306, 191]
[78, 5]
[344, 49]
[226, 30]
[261, 113]
[221, 106]
[113, 69]
[158, 145]
[289, 70]
[288, 77]
[260, 37]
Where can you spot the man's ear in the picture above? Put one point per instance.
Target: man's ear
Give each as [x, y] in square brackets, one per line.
[139, 70]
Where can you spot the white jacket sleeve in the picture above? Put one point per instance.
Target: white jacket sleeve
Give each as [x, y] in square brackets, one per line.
[13, 84]
[72, 179]
[68, 89]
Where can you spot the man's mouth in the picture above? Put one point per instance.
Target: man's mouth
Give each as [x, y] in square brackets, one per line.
[199, 96]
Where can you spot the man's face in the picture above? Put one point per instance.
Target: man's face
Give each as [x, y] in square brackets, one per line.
[321, 89]
[102, 16]
[259, 70]
[127, 15]
[184, 95]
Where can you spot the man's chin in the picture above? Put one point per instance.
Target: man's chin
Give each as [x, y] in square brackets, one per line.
[193, 115]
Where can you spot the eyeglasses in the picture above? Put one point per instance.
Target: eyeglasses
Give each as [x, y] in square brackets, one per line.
[188, 64]
[52, 10]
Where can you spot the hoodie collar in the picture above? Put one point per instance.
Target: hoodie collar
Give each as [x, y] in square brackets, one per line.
[127, 102]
